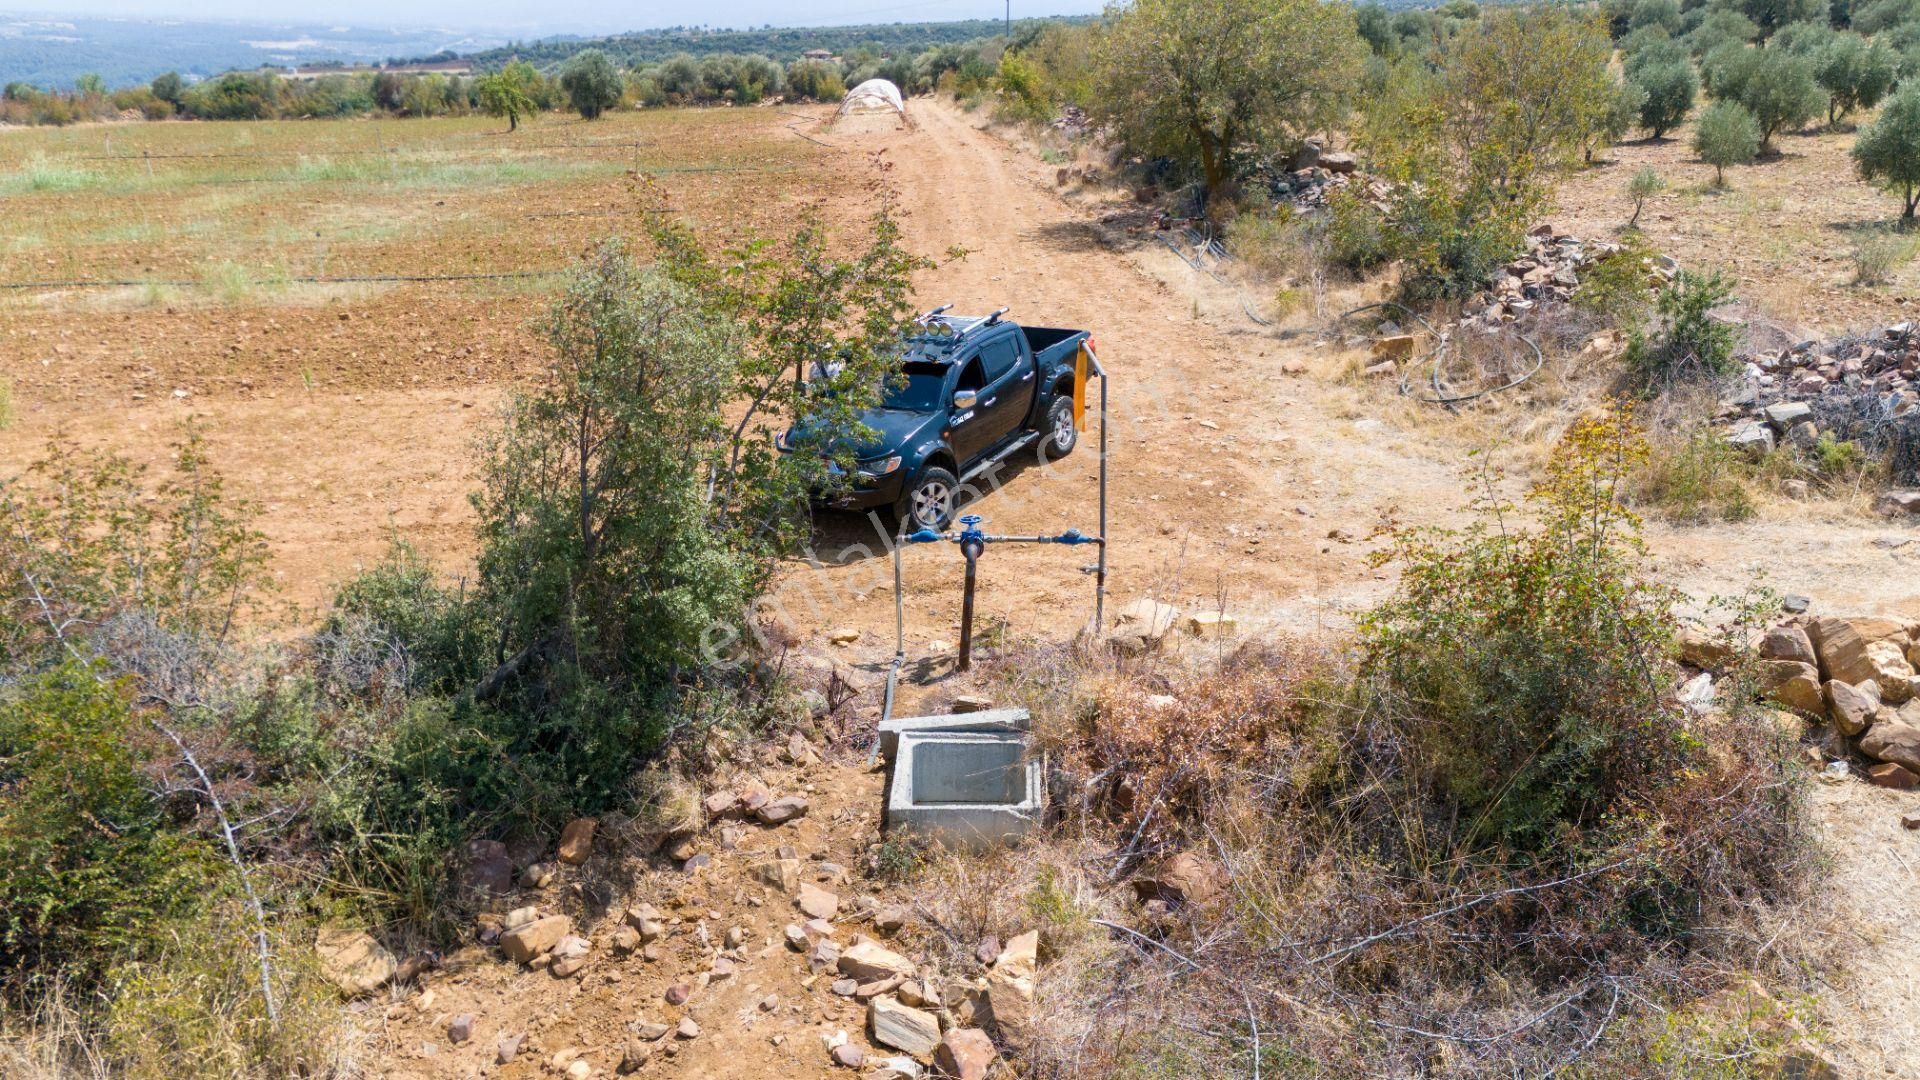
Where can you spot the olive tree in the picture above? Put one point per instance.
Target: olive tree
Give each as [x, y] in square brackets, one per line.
[1727, 134]
[591, 83]
[1887, 151]
[1195, 80]
[1523, 89]
[1777, 87]
[1854, 72]
[1670, 89]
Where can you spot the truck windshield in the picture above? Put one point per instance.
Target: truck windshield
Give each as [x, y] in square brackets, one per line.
[917, 388]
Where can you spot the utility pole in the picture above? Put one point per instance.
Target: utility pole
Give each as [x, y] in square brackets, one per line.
[1009, 19]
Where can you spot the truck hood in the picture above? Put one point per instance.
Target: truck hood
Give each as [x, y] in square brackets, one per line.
[893, 431]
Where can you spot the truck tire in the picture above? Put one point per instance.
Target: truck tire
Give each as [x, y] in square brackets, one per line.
[928, 501]
[1061, 436]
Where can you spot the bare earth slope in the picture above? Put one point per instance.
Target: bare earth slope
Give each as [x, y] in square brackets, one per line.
[1228, 476]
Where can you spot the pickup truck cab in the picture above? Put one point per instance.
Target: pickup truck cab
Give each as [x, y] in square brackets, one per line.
[972, 392]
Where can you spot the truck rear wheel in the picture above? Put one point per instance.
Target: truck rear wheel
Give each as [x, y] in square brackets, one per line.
[1061, 436]
[928, 501]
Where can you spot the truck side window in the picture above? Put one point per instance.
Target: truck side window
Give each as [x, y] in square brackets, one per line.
[971, 377]
[999, 357]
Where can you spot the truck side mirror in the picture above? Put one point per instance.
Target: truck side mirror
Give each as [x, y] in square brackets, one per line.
[964, 399]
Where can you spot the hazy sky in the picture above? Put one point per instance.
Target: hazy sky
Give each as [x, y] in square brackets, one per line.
[569, 16]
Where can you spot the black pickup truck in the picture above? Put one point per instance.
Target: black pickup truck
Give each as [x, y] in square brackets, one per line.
[972, 393]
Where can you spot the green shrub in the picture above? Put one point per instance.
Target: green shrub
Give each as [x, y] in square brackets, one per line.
[1727, 134]
[196, 998]
[1697, 479]
[1513, 662]
[1689, 344]
[1618, 287]
[1644, 184]
[1356, 237]
[1878, 254]
[92, 870]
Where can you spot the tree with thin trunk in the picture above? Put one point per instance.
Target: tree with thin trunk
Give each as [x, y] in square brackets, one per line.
[1195, 80]
[1727, 134]
[508, 93]
[1887, 151]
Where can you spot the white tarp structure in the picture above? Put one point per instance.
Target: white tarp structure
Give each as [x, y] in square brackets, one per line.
[874, 95]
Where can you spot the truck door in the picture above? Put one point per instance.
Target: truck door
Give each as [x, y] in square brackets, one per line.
[972, 433]
[1008, 396]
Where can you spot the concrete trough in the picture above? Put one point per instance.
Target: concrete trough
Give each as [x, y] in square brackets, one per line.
[964, 789]
[990, 720]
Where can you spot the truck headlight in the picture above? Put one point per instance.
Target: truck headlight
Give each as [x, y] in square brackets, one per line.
[783, 441]
[881, 467]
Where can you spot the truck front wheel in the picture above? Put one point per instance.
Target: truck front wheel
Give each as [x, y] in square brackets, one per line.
[1061, 434]
[928, 501]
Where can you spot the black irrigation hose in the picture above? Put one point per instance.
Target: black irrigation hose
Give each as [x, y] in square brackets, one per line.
[1218, 252]
[1439, 355]
[307, 279]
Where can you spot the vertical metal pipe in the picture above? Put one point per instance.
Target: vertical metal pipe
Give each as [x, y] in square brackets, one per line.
[966, 614]
[1100, 576]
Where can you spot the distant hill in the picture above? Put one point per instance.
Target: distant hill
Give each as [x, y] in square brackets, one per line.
[50, 51]
[778, 43]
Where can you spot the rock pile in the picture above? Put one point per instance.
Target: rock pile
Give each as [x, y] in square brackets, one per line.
[1548, 273]
[1307, 179]
[1853, 386]
[1858, 674]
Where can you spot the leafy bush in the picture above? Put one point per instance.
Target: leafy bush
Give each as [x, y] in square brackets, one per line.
[1727, 134]
[1514, 661]
[815, 80]
[92, 867]
[1618, 287]
[1689, 344]
[1878, 254]
[1695, 479]
[591, 83]
[1670, 89]
[1356, 238]
[1645, 183]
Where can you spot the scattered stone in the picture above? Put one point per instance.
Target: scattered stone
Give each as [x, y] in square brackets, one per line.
[1703, 650]
[797, 939]
[1141, 626]
[844, 636]
[869, 991]
[1397, 349]
[965, 1054]
[849, 1056]
[782, 874]
[721, 970]
[1021, 956]
[537, 876]
[353, 961]
[460, 1029]
[736, 936]
[1185, 878]
[1894, 741]
[816, 902]
[782, 810]
[639, 1052]
[1842, 647]
[890, 919]
[488, 870]
[507, 1048]
[678, 993]
[770, 1003]
[1788, 643]
[824, 957]
[1795, 685]
[1795, 604]
[1899, 502]
[576, 841]
[1910, 820]
[579, 1070]
[687, 1029]
[1852, 707]
[1211, 624]
[626, 940]
[967, 703]
[1889, 775]
[523, 943]
[722, 804]
[844, 987]
[903, 1027]
[987, 951]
